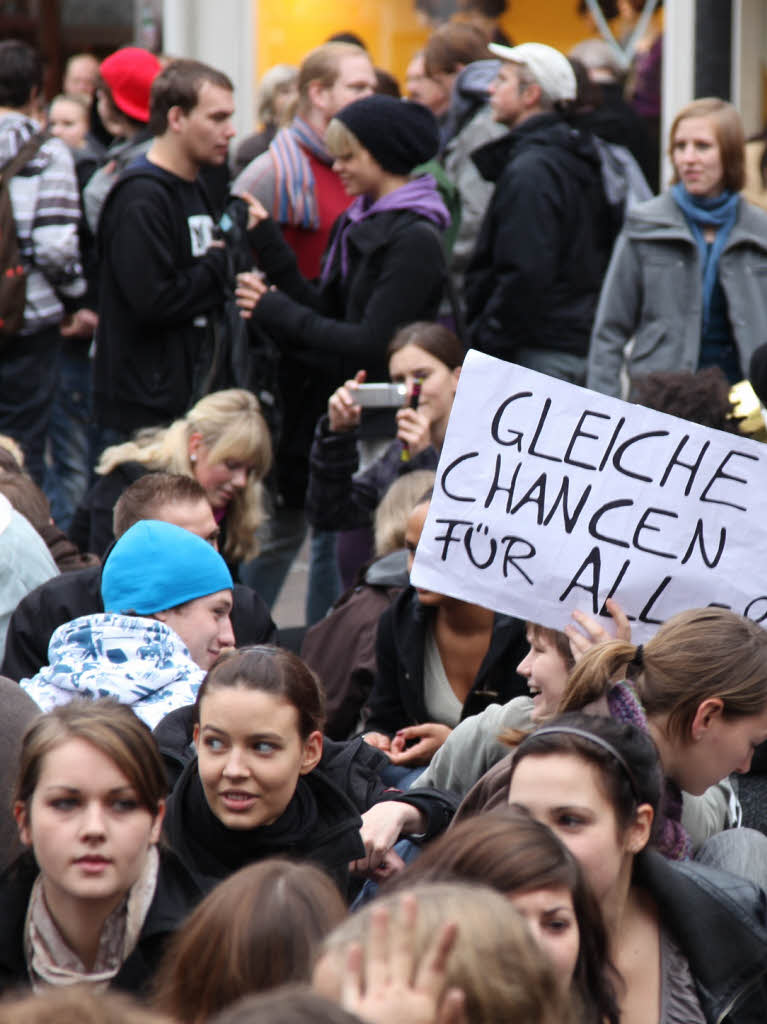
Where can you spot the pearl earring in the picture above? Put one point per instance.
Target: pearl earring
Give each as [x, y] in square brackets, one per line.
[193, 457]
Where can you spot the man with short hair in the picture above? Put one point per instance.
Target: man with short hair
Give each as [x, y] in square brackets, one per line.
[164, 278]
[294, 179]
[81, 75]
[533, 282]
[163, 626]
[167, 497]
[46, 213]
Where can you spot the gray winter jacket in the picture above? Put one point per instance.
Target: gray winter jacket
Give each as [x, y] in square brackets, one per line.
[653, 293]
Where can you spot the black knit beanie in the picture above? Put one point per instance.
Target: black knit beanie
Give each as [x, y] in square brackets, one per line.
[398, 134]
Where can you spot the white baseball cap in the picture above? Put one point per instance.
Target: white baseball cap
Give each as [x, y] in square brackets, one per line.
[550, 68]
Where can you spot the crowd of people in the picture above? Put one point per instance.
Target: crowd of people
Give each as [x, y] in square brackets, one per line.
[436, 810]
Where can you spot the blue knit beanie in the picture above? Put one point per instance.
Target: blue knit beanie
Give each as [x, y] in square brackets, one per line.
[155, 566]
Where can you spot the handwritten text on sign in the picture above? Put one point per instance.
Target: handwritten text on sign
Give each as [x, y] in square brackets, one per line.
[550, 498]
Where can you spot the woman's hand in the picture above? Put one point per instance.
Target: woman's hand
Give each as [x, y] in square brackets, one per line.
[595, 631]
[251, 286]
[382, 826]
[343, 413]
[256, 210]
[389, 979]
[429, 736]
[413, 429]
[379, 740]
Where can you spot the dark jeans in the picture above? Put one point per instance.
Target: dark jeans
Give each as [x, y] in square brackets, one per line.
[29, 373]
[69, 435]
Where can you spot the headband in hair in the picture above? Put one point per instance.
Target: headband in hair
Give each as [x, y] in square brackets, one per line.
[571, 730]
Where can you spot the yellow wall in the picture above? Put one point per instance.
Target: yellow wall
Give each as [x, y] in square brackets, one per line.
[287, 29]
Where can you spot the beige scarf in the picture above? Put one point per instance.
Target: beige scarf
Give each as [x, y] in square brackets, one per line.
[50, 961]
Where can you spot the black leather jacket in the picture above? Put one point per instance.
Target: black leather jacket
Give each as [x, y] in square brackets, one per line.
[720, 924]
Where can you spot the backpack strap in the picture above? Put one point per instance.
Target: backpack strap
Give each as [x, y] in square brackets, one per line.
[17, 163]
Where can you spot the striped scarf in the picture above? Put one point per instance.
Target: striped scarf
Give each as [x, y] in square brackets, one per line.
[295, 196]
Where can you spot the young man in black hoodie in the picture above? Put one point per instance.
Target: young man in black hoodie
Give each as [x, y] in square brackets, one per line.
[533, 283]
[164, 276]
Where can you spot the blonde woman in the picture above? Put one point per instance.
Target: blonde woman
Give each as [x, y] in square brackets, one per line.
[222, 442]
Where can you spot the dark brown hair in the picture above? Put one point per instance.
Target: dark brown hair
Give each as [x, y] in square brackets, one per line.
[274, 670]
[510, 851]
[702, 397]
[178, 85]
[453, 44]
[257, 930]
[624, 756]
[435, 339]
[113, 729]
[147, 495]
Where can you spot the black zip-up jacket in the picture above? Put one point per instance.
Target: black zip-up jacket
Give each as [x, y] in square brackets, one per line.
[175, 896]
[327, 330]
[544, 245]
[720, 923]
[397, 699]
[156, 301]
[321, 824]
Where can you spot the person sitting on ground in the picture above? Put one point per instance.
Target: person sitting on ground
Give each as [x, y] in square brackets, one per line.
[167, 598]
[494, 969]
[264, 784]
[258, 930]
[222, 442]
[341, 647]
[170, 498]
[699, 688]
[527, 863]
[439, 661]
[688, 941]
[93, 900]
[77, 1003]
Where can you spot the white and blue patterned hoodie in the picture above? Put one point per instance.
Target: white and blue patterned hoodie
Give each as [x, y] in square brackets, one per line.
[140, 661]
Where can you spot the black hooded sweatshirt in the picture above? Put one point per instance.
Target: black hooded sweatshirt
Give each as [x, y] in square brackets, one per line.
[544, 245]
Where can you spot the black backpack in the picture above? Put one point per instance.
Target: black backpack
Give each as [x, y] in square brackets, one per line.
[13, 276]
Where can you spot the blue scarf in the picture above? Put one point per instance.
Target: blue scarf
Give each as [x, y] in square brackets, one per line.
[419, 196]
[720, 213]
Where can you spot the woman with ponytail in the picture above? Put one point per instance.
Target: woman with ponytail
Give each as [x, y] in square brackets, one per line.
[698, 688]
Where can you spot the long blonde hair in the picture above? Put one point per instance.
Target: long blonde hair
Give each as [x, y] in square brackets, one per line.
[232, 427]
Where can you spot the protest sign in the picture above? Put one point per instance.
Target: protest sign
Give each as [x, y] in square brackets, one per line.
[549, 497]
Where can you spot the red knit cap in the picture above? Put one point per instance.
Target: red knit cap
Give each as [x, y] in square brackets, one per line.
[129, 73]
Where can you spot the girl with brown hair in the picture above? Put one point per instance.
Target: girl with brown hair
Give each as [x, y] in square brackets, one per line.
[256, 931]
[265, 783]
[94, 900]
[689, 942]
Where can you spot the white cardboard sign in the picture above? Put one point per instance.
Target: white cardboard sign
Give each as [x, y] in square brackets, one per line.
[550, 497]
